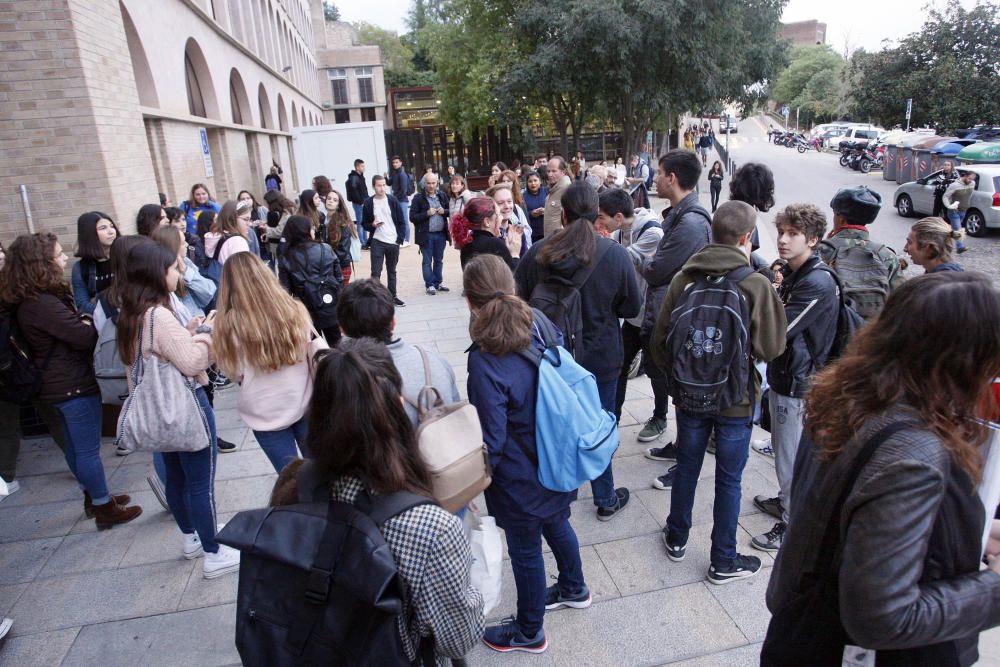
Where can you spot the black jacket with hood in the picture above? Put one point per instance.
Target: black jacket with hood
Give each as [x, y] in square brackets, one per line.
[304, 269]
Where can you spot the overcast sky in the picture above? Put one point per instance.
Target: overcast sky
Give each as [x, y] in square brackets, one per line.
[864, 23]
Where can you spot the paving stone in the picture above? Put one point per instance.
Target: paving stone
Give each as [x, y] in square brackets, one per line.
[51, 488]
[483, 656]
[744, 602]
[459, 344]
[155, 541]
[85, 552]
[38, 650]
[21, 562]
[129, 478]
[658, 502]
[633, 520]
[36, 521]
[201, 592]
[743, 656]
[634, 472]
[235, 495]
[643, 629]
[9, 596]
[95, 597]
[248, 462]
[197, 637]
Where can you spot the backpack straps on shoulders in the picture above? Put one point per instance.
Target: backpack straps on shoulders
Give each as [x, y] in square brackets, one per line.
[429, 396]
[382, 508]
[740, 273]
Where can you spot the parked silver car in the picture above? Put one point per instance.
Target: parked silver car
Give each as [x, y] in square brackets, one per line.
[917, 198]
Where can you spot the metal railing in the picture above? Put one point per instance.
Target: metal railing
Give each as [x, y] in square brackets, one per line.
[727, 161]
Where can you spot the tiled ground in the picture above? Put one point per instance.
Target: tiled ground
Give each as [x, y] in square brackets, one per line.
[126, 597]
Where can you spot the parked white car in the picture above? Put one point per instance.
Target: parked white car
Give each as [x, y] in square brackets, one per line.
[917, 198]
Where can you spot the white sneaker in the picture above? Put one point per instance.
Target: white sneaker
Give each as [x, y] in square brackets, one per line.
[763, 447]
[406, 244]
[224, 561]
[8, 489]
[192, 546]
[5, 624]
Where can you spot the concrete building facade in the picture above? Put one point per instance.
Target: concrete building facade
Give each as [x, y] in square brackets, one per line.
[350, 76]
[802, 33]
[103, 102]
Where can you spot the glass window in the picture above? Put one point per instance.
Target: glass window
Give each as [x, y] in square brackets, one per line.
[366, 91]
[362, 71]
[341, 116]
[368, 115]
[339, 91]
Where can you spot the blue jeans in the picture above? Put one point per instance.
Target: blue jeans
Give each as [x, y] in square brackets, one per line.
[524, 545]
[404, 203]
[732, 442]
[604, 486]
[956, 218]
[362, 234]
[433, 250]
[190, 485]
[81, 421]
[279, 446]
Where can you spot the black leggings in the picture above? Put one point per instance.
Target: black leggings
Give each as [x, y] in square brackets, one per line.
[716, 190]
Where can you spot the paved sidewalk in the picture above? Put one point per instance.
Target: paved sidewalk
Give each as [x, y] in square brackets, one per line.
[126, 596]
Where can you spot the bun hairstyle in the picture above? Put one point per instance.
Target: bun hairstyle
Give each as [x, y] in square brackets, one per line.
[473, 216]
[503, 320]
[938, 236]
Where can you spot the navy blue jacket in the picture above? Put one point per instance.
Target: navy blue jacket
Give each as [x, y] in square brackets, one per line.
[421, 219]
[503, 390]
[399, 182]
[947, 266]
[368, 216]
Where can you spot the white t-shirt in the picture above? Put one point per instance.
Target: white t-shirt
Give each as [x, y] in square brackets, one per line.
[386, 233]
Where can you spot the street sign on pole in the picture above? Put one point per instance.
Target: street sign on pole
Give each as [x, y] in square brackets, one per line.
[909, 111]
[797, 118]
[206, 155]
[785, 111]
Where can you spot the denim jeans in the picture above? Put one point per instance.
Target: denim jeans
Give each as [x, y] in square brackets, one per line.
[190, 485]
[81, 421]
[632, 343]
[956, 218]
[362, 234]
[433, 250]
[604, 486]
[279, 446]
[524, 545]
[388, 253]
[404, 203]
[732, 442]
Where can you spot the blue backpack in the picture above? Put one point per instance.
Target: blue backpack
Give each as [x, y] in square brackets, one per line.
[574, 436]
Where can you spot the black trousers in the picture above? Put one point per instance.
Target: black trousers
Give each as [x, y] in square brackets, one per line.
[716, 190]
[632, 342]
[388, 253]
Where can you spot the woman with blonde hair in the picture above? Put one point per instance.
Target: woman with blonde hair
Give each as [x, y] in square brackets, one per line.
[931, 244]
[503, 383]
[262, 337]
[514, 228]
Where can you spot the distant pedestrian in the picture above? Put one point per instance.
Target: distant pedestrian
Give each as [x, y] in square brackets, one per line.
[956, 199]
[402, 187]
[273, 179]
[341, 232]
[715, 177]
[558, 176]
[311, 272]
[311, 206]
[357, 193]
[458, 196]
[199, 200]
[149, 217]
[383, 218]
[704, 145]
[514, 228]
[534, 204]
[258, 223]
[429, 215]
[229, 233]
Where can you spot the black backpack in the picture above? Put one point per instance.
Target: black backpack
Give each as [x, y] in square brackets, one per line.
[708, 345]
[318, 583]
[559, 298]
[20, 378]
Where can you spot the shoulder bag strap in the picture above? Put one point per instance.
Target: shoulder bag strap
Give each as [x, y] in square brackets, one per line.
[829, 551]
[382, 508]
[582, 275]
[429, 396]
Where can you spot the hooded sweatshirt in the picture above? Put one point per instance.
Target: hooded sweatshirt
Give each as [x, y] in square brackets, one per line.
[232, 246]
[767, 314]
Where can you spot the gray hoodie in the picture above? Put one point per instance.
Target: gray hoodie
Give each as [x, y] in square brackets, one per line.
[640, 246]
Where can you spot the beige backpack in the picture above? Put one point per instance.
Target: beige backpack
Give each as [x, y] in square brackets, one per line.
[451, 442]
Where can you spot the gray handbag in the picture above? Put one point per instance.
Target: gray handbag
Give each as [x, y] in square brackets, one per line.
[162, 413]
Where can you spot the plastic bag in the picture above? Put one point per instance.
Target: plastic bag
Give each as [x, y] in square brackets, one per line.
[487, 561]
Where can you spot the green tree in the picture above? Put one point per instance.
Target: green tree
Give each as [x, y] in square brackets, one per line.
[397, 57]
[330, 11]
[806, 62]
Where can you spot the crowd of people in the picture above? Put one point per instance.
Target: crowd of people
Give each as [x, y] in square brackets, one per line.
[873, 431]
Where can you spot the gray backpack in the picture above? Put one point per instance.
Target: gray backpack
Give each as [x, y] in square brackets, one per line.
[708, 345]
[862, 272]
[108, 366]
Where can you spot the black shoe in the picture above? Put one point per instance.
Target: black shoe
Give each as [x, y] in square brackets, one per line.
[771, 540]
[555, 599]
[621, 500]
[769, 505]
[506, 636]
[225, 447]
[442, 288]
[667, 452]
[741, 568]
[367, 246]
[399, 302]
[675, 552]
[666, 481]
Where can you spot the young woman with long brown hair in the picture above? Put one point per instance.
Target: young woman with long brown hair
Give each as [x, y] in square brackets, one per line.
[362, 443]
[62, 340]
[261, 337]
[230, 232]
[907, 553]
[310, 271]
[95, 233]
[503, 386]
[340, 232]
[146, 312]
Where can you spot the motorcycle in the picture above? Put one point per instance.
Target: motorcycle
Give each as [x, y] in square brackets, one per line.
[873, 157]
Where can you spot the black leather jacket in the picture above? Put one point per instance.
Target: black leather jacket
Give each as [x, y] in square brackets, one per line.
[811, 306]
[308, 271]
[911, 531]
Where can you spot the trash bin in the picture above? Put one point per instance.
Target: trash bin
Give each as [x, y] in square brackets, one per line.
[984, 152]
[922, 159]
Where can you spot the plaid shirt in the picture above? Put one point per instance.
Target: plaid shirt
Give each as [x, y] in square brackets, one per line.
[433, 558]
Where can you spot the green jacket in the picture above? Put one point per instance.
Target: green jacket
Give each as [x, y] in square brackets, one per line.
[888, 256]
[767, 314]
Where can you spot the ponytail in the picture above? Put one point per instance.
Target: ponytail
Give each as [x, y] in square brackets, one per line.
[503, 321]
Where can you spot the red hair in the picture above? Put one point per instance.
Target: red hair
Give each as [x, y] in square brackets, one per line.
[473, 215]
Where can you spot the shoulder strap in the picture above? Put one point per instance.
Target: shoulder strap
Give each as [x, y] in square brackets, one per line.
[218, 246]
[429, 395]
[821, 266]
[581, 277]
[382, 508]
[646, 227]
[740, 273]
[109, 311]
[829, 547]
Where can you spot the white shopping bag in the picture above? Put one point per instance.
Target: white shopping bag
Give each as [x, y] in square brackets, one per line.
[487, 561]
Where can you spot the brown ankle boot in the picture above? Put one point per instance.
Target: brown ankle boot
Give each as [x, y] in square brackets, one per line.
[88, 504]
[111, 514]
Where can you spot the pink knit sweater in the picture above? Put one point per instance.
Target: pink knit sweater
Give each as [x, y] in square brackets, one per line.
[190, 353]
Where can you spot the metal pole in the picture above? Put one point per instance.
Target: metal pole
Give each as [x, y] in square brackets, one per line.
[23, 189]
[797, 118]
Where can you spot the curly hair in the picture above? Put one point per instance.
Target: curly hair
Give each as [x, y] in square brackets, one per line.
[30, 269]
[890, 362]
[753, 183]
[475, 213]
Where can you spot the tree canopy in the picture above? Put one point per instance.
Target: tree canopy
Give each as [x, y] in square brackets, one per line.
[330, 11]
[812, 83]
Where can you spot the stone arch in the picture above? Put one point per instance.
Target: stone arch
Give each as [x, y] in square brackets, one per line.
[239, 100]
[282, 115]
[144, 83]
[202, 100]
[295, 116]
[264, 106]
